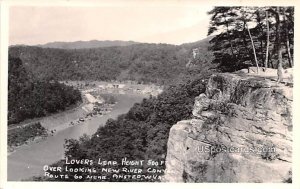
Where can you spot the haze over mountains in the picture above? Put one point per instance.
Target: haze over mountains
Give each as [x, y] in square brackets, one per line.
[86, 44]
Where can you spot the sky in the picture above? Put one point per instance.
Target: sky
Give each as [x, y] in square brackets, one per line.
[152, 23]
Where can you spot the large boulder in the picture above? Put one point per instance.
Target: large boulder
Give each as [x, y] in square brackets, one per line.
[241, 132]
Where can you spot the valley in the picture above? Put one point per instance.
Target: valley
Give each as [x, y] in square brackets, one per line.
[28, 160]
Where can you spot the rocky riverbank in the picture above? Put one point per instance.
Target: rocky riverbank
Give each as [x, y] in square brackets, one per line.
[19, 136]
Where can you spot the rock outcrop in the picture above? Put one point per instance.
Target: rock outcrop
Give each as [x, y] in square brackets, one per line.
[241, 131]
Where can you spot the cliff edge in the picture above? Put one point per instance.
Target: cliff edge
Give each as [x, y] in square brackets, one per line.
[241, 131]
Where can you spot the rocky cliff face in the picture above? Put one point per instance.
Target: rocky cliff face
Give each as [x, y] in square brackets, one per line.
[241, 132]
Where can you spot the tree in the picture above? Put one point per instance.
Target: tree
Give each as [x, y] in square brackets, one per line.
[223, 17]
[286, 34]
[230, 23]
[256, 31]
[268, 41]
[246, 17]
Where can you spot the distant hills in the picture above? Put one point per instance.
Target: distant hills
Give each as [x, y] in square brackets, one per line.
[86, 44]
[114, 60]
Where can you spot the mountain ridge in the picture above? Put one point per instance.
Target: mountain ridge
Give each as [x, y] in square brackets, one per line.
[85, 44]
[89, 44]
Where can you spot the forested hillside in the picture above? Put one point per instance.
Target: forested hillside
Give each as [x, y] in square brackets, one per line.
[155, 63]
[29, 97]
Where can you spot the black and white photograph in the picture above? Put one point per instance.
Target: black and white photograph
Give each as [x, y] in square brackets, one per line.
[162, 92]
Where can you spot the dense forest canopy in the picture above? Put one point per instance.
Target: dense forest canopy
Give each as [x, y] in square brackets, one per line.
[147, 63]
[29, 97]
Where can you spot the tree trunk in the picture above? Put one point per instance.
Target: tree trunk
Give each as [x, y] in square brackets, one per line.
[279, 67]
[260, 39]
[287, 43]
[268, 41]
[271, 65]
[253, 47]
[289, 52]
[233, 55]
[278, 45]
[244, 40]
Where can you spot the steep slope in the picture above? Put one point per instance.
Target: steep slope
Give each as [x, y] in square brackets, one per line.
[241, 132]
[29, 97]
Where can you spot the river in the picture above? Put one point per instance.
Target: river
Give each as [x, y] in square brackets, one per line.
[28, 160]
